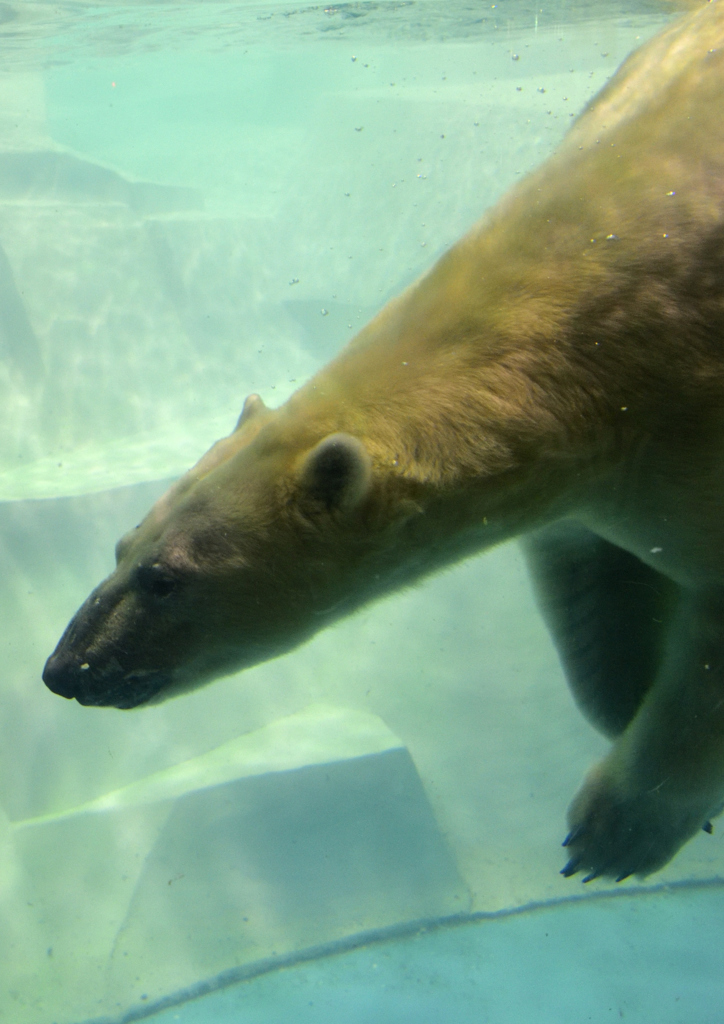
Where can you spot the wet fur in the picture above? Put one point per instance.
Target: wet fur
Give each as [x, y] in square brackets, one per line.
[558, 374]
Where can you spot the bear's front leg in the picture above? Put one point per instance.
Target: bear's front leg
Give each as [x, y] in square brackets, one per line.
[664, 777]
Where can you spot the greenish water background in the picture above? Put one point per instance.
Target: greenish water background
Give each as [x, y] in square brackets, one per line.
[202, 200]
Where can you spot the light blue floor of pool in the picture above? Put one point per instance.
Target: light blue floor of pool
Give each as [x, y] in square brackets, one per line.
[653, 959]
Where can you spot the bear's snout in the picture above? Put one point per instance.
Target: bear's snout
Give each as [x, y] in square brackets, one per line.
[68, 676]
[62, 675]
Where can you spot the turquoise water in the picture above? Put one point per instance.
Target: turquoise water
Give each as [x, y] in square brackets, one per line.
[198, 201]
[565, 963]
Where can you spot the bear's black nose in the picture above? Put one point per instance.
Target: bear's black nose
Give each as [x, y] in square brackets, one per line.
[62, 674]
[108, 686]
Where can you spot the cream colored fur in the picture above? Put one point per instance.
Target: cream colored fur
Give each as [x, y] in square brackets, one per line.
[560, 374]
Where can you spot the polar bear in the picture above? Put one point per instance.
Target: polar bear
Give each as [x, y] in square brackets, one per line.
[557, 375]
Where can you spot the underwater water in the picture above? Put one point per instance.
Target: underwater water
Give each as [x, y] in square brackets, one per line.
[199, 201]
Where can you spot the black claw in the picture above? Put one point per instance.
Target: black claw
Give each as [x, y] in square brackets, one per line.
[590, 877]
[571, 867]
[574, 835]
[707, 827]
[626, 874]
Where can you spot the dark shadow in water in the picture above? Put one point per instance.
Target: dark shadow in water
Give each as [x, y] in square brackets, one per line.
[52, 175]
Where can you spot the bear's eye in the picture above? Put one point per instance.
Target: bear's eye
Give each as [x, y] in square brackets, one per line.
[155, 580]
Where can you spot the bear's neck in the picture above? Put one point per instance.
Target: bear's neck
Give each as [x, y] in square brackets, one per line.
[527, 365]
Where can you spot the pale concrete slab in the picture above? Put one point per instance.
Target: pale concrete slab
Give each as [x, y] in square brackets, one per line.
[314, 828]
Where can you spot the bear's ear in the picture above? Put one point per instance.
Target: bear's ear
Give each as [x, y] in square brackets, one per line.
[337, 471]
[253, 405]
